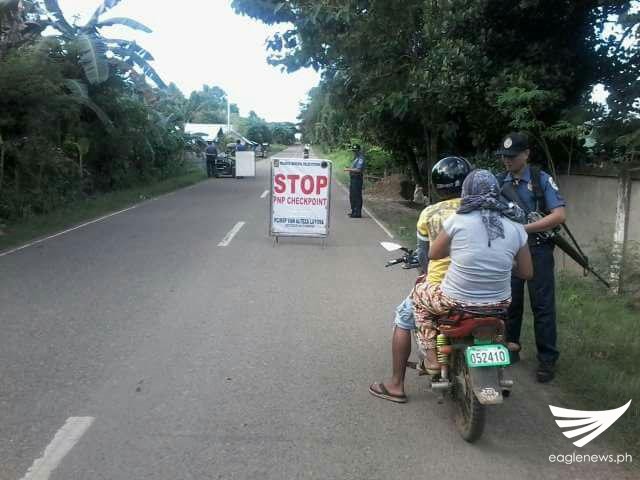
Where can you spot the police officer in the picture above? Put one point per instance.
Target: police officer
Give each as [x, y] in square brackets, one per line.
[211, 154]
[535, 191]
[356, 174]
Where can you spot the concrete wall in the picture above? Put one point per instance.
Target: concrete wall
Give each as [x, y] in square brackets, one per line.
[633, 232]
[591, 213]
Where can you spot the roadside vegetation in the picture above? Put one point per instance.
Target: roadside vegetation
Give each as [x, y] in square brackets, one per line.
[89, 208]
[455, 77]
[87, 124]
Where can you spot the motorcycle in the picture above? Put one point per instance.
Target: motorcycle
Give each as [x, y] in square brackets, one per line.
[473, 357]
[224, 166]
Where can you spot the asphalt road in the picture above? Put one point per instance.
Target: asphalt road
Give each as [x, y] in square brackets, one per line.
[248, 361]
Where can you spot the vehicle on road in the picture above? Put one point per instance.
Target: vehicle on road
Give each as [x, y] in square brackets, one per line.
[262, 150]
[224, 166]
[473, 358]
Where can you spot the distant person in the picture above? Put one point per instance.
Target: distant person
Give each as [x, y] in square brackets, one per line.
[356, 174]
[239, 146]
[211, 153]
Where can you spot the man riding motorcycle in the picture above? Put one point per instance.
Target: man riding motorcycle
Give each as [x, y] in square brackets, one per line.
[447, 177]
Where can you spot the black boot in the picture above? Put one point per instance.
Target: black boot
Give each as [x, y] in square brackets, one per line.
[546, 372]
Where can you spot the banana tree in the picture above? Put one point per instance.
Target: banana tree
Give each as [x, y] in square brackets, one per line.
[79, 93]
[91, 47]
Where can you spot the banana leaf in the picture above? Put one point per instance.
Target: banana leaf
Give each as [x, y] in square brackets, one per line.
[133, 58]
[77, 87]
[106, 5]
[79, 93]
[123, 21]
[91, 105]
[130, 45]
[92, 58]
[59, 21]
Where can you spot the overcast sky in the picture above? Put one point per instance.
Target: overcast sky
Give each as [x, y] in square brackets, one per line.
[198, 42]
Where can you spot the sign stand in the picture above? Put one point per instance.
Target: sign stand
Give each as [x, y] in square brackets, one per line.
[300, 197]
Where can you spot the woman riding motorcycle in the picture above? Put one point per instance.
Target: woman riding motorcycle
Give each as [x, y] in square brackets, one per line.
[482, 239]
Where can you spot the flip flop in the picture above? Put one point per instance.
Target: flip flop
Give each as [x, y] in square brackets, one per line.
[383, 393]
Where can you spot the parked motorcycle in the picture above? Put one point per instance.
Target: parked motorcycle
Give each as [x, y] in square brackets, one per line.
[473, 358]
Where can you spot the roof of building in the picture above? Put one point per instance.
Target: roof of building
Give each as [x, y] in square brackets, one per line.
[211, 131]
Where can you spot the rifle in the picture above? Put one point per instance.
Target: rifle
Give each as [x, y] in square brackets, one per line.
[554, 236]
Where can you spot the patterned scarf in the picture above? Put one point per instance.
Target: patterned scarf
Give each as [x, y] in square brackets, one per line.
[481, 191]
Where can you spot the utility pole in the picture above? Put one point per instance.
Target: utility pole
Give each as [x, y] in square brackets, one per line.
[228, 115]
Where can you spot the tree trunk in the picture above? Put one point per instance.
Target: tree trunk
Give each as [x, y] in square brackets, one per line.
[431, 140]
[415, 169]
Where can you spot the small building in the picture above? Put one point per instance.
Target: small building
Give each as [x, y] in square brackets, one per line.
[215, 131]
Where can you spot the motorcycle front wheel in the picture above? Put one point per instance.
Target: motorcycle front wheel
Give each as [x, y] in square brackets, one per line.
[470, 413]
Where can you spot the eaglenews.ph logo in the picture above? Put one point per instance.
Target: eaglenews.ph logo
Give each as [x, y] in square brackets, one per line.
[594, 422]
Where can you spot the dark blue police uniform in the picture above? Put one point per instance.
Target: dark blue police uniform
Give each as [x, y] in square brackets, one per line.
[355, 186]
[542, 285]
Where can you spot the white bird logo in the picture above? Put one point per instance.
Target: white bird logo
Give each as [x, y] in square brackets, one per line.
[597, 421]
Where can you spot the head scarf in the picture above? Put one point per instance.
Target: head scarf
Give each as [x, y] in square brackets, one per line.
[481, 191]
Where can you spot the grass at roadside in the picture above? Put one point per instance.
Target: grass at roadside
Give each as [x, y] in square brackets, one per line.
[276, 148]
[41, 225]
[598, 337]
[340, 159]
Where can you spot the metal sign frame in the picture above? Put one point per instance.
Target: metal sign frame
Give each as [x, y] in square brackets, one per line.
[276, 235]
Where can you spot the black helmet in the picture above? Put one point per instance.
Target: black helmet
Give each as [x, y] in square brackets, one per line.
[447, 176]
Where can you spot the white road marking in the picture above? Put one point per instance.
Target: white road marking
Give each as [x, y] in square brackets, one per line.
[62, 443]
[366, 210]
[227, 239]
[373, 217]
[14, 250]
[264, 194]
[30, 244]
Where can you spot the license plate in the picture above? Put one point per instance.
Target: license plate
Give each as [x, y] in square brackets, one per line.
[487, 356]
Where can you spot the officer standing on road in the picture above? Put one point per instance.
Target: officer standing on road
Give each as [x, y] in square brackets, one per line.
[211, 153]
[356, 173]
[536, 192]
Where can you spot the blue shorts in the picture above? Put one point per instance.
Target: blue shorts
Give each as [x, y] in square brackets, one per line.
[405, 318]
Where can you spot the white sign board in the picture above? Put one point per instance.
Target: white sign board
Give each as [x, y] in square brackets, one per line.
[300, 197]
[245, 164]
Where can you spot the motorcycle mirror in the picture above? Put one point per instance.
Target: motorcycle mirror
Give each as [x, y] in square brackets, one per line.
[390, 246]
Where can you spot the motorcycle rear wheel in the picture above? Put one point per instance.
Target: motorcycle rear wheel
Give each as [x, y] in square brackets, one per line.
[470, 413]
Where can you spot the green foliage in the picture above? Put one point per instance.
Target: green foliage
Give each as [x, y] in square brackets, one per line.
[90, 47]
[422, 78]
[208, 105]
